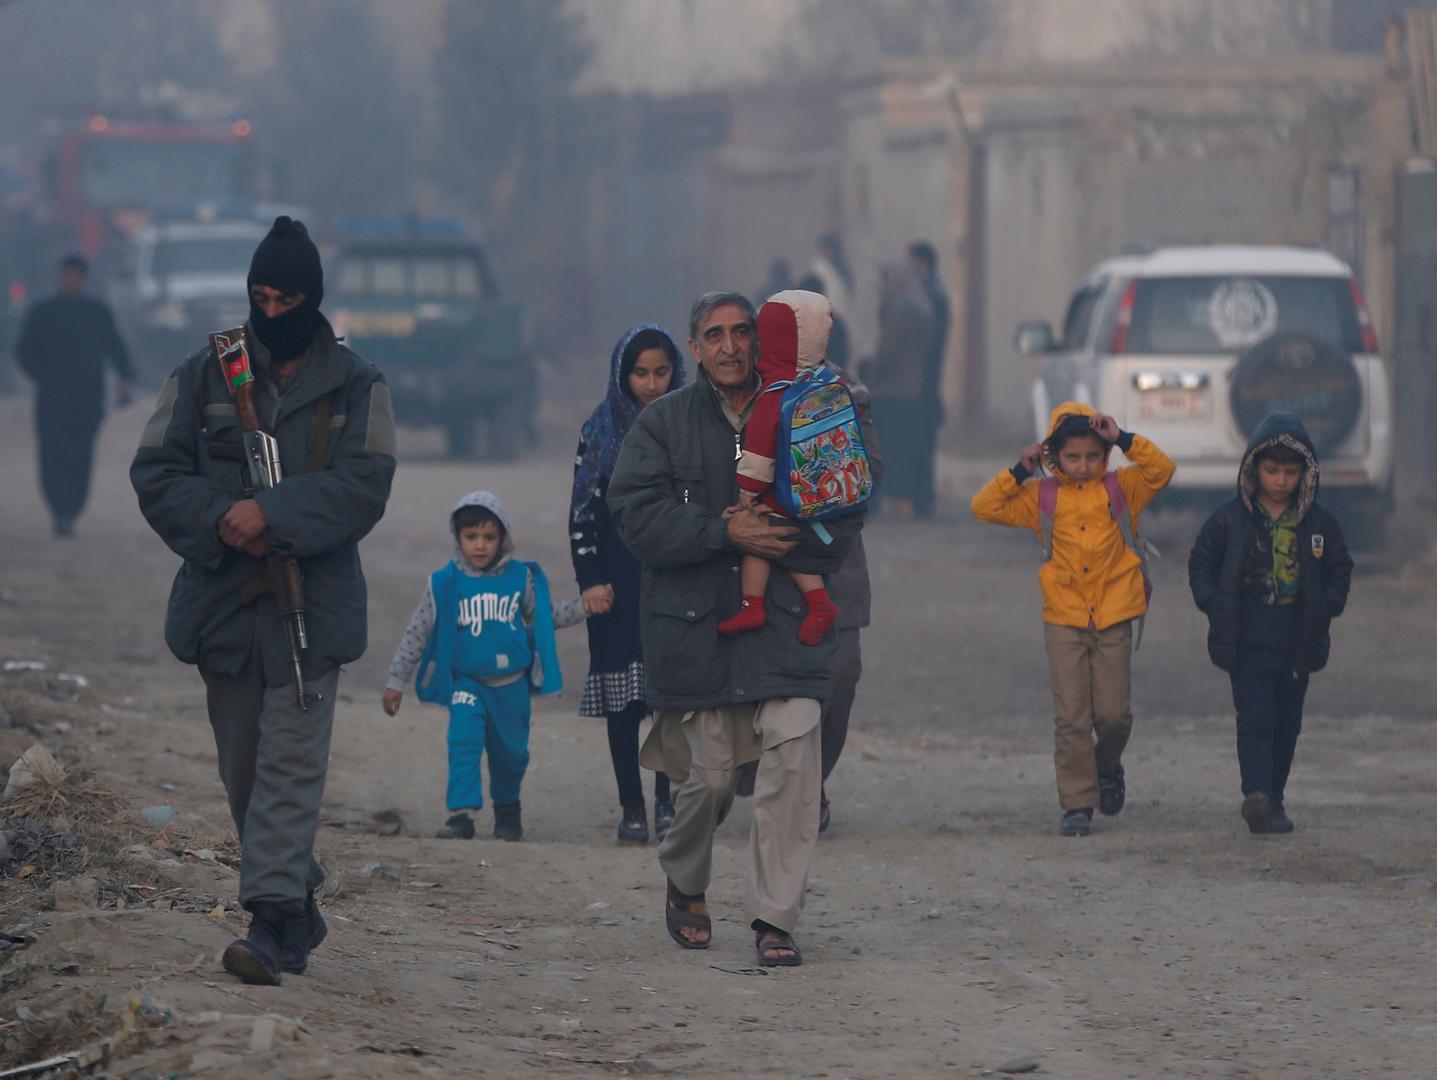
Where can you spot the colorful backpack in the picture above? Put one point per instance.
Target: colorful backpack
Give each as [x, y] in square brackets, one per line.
[1118, 507]
[821, 467]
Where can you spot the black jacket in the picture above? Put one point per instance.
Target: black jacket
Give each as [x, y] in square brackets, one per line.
[188, 472]
[674, 478]
[63, 345]
[1231, 543]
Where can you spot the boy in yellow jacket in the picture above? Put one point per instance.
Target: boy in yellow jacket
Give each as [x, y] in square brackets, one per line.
[1094, 588]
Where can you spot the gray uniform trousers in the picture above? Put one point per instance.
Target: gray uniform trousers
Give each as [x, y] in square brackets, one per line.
[272, 760]
[783, 734]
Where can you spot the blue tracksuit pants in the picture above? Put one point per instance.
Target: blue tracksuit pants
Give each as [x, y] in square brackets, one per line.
[492, 718]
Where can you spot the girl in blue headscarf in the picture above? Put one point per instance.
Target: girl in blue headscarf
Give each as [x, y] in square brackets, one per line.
[645, 365]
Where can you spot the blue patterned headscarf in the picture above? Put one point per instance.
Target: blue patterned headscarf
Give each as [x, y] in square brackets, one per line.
[603, 433]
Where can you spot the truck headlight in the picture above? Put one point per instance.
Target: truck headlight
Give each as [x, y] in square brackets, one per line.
[169, 315]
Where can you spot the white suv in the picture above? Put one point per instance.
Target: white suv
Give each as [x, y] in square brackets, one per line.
[1192, 346]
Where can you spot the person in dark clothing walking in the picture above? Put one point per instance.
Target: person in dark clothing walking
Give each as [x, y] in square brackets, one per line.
[63, 346]
[330, 414]
[645, 366]
[924, 260]
[1271, 570]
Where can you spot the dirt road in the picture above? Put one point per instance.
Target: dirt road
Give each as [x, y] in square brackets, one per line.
[949, 930]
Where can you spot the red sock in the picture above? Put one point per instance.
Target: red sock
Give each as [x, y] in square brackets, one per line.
[821, 613]
[750, 617]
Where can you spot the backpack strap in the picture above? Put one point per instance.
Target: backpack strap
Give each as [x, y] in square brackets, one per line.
[1122, 516]
[1047, 509]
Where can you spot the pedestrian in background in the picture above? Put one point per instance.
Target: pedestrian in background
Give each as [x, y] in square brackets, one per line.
[64, 344]
[924, 260]
[896, 378]
[645, 365]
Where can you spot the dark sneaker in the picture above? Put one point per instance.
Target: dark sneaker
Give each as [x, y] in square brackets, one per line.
[458, 827]
[255, 958]
[1112, 792]
[302, 935]
[663, 817]
[508, 825]
[633, 828]
[1257, 812]
[824, 819]
[65, 527]
[1279, 822]
[1076, 822]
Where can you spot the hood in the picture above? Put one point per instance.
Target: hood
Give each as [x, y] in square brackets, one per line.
[655, 337]
[1055, 420]
[489, 501]
[1279, 429]
[793, 328]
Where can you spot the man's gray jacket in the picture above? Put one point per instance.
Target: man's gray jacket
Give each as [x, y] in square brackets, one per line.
[673, 480]
[189, 470]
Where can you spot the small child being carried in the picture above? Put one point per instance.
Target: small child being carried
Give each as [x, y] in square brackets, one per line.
[793, 331]
[483, 626]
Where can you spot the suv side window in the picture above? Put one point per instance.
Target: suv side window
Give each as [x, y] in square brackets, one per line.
[1079, 319]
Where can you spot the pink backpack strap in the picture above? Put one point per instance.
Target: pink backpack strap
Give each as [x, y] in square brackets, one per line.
[1047, 510]
[1118, 507]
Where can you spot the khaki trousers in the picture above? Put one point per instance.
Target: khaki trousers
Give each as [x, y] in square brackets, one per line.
[783, 733]
[1091, 675]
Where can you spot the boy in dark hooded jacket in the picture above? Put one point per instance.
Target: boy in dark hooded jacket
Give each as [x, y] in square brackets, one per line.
[1270, 570]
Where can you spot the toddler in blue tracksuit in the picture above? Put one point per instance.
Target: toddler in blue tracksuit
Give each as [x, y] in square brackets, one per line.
[481, 642]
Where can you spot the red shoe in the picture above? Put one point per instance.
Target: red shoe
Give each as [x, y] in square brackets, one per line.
[821, 613]
[750, 617]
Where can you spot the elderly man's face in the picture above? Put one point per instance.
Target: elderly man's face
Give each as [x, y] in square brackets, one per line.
[726, 347]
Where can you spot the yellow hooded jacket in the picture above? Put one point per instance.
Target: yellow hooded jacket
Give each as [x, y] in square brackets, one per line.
[1093, 579]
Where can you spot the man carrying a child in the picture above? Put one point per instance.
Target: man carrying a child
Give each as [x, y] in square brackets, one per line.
[723, 701]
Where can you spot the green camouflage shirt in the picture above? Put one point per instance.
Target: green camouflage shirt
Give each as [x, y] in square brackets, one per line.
[1286, 566]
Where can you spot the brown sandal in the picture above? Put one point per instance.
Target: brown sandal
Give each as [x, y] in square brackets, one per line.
[677, 916]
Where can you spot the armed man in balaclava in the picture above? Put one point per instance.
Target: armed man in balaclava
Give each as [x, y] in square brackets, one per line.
[330, 415]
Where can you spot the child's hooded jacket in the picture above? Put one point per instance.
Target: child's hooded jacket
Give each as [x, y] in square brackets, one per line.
[1093, 580]
[431, 650]
[793, 331]
[1232, 539]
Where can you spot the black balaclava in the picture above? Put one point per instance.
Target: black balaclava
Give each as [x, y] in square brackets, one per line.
[287, 259]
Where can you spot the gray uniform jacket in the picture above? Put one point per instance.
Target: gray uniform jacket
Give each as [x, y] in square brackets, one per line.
[674, 478]
[189, 470]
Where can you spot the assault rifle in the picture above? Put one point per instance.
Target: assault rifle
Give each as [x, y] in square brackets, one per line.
[280, 577]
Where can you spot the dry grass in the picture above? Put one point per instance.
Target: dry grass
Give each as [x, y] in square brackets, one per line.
[102, 823]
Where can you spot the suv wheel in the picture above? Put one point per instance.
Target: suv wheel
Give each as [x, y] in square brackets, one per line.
[1293, 373]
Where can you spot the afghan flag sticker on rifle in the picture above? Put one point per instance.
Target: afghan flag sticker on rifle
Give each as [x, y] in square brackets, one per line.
[232, 348]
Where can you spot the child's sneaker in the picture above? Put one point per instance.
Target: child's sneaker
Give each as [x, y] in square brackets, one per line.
[460, 826]
[1076, 822]
[1112, 792]
[633, 827]
[1279, 822]
[663, 817]
[1257, 812]
[508, 825]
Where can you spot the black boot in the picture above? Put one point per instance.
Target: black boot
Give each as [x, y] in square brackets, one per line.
[1112, 792]
[302, 935]
[508, 825]
[255, 958]
[634, 827]
[459, 826]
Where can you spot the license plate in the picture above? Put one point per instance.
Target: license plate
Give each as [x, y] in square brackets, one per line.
[1175, 404]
